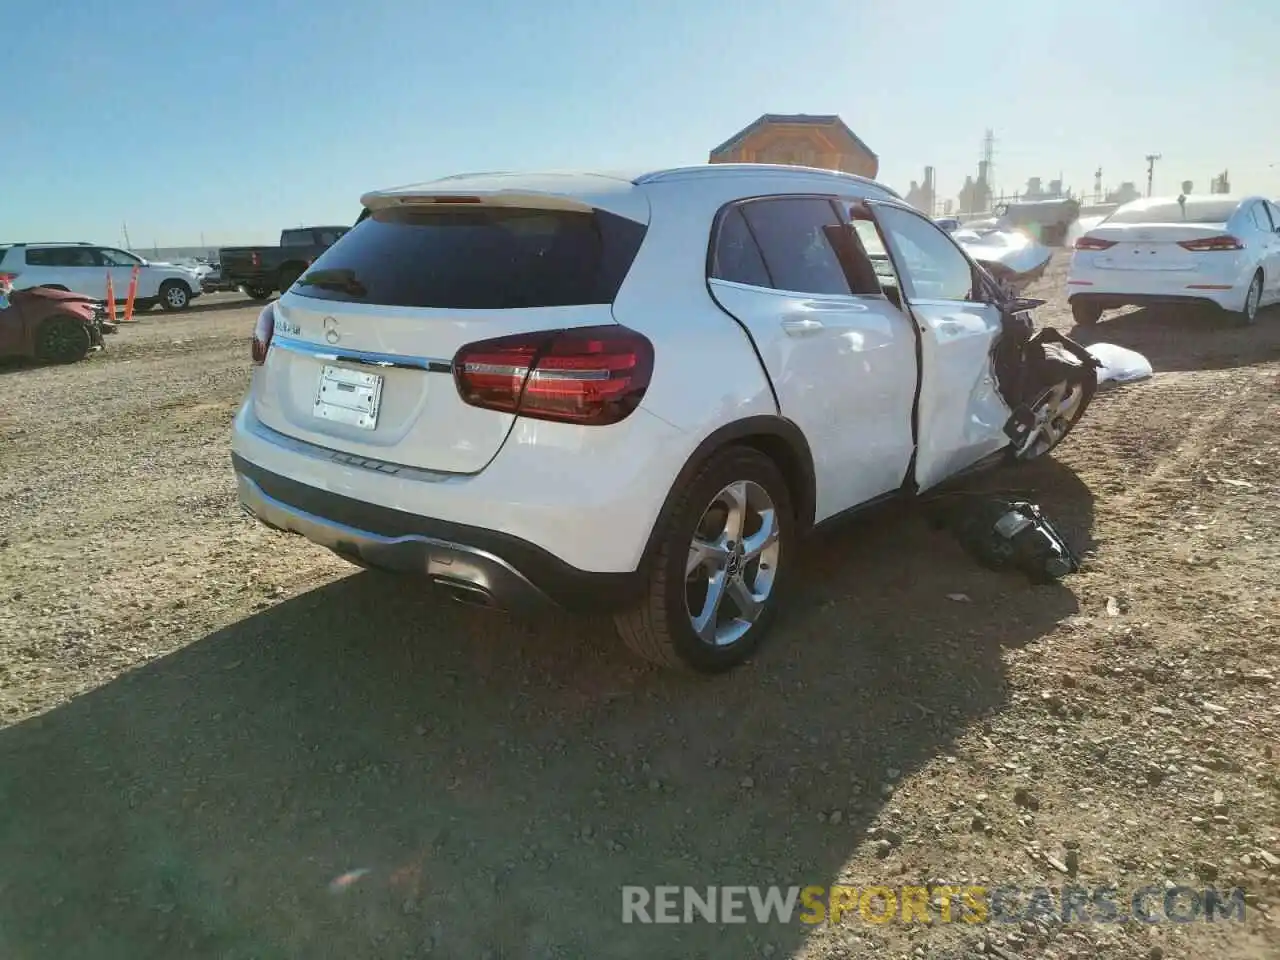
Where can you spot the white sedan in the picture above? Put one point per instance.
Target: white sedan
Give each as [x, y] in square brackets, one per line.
[1195, 250]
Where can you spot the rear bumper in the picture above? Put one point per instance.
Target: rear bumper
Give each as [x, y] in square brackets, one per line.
[1221, 283]
[257, 279]
[1223, 299]
[483, 566]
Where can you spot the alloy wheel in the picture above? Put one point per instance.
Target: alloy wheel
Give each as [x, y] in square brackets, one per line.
[1055, 412]
[732, 564]
[1252, 299]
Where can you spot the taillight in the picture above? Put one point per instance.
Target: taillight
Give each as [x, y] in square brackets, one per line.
[1093, 243]
[592, 375]
[1205, 244]
[255, 258]
[263, 330]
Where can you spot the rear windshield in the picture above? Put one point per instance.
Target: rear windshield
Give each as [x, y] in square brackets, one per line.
[481, 258]
[1170, 211]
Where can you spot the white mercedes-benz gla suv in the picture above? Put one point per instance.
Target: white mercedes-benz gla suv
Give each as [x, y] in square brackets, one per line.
[634, 393]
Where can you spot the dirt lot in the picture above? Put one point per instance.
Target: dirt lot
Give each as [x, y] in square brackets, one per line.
[221, 742]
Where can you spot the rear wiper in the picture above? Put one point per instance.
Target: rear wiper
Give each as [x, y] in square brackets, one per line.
[343, 281]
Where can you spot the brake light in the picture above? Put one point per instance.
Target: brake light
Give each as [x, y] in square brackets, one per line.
[263, 331]
[255, 258]
[1094, 243]
[592, 375]
[1205, 244]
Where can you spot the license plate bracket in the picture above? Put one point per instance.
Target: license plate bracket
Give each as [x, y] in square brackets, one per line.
[350, 397]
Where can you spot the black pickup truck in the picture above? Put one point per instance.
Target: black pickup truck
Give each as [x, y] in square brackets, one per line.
[261, 271]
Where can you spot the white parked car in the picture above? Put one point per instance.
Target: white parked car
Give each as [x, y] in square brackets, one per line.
[83, 268]
[629, 393]
[1194, 250]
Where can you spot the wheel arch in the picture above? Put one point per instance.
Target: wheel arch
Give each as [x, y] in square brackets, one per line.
[777, 438]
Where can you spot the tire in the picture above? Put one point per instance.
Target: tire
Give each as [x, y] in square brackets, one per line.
[175, 295]
[62, 339]
[1248, 315]
[256, 293]
[1055, 429]
[1085, 314]
[660, 628]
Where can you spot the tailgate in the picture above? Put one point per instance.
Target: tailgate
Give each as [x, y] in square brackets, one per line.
[240, 260]
[361, 358]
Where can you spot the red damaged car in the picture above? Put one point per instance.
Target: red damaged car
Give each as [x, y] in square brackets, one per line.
[53, 326]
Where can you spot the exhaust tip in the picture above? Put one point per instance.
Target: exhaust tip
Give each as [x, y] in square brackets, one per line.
[467, 593]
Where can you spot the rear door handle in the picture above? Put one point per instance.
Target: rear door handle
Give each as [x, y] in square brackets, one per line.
[798, 328]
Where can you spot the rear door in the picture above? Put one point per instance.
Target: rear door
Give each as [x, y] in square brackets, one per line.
[961, 415]
[1268, 245]
[72, 266]
[842, 362]
[380, 315]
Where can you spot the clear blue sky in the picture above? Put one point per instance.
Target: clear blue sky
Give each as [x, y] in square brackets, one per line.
[234, 118]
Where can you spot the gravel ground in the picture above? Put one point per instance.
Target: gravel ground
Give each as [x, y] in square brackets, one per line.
[220, 742]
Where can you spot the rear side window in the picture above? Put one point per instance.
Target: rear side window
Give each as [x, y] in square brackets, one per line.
[296, 238]
[736, 257]
[481, 258]
[61, 257]
[1261, 218]
[792, 238]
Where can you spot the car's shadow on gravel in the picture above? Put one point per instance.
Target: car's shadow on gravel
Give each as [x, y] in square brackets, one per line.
[367, 770]
[1186, 339]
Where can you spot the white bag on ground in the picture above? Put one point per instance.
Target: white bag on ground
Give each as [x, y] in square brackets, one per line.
[1119, 364]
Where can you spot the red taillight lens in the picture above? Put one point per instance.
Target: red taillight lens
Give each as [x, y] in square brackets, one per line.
[1224, 242]
[1093, 243]
[593, 375]
[263, 330]
[255, 258]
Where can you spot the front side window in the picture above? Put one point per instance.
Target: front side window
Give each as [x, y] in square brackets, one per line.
[932, 266]
[792, 235]
[117, 258]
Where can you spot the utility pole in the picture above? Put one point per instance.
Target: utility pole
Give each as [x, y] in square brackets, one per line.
[127, 244]
[1151, 170]
[1097, 185]
[988, 166]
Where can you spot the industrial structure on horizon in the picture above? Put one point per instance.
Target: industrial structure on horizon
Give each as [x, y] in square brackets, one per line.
[825, 140]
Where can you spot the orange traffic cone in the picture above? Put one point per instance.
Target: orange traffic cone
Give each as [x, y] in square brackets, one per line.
[133, 292]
